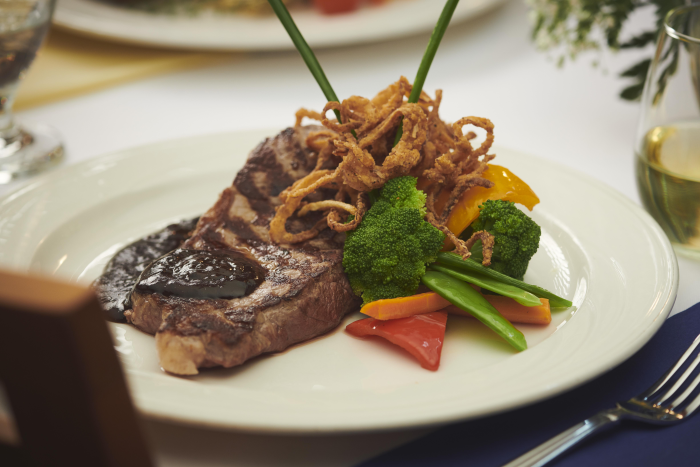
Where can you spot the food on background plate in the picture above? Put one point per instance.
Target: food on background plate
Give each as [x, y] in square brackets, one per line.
[244, 7]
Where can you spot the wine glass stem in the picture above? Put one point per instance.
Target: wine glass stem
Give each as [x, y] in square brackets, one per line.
[8, 129]
[11, 138]
[7, 99]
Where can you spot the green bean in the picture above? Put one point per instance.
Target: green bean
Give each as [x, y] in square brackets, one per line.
[464, 297]
[507, 290]
[452, 261]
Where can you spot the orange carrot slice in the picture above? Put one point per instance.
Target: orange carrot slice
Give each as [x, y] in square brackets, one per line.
[403, 307]
[514, 311]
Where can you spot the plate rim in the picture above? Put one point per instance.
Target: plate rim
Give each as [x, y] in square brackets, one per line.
[661, 310]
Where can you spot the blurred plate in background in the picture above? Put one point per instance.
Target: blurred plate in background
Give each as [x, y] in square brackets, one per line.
[229, 31]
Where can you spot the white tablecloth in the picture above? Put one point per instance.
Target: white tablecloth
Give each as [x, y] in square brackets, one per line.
[486, 67]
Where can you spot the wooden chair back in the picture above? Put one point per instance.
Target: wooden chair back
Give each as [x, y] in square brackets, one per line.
[64, 382]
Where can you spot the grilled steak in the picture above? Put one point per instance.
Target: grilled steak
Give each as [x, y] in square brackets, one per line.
[229, 294]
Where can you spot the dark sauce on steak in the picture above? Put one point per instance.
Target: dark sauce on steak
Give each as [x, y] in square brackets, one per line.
[114, 286]
[201, 274]
[156, 264]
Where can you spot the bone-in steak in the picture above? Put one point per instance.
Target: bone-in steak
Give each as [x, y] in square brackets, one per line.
[298, 291]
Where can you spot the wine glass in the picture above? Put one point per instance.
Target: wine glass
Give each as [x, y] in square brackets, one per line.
[668, 137]
[24, 149]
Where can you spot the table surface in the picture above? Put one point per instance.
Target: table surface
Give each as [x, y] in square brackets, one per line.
[486, 67]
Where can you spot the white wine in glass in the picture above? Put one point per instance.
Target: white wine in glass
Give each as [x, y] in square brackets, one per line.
[668, 139]
[24, 149]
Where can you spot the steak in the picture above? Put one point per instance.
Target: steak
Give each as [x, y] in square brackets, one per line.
[229, 293]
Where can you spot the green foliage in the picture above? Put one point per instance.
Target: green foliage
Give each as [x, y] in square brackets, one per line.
[574, 25]
[517, 237]
[386, 255]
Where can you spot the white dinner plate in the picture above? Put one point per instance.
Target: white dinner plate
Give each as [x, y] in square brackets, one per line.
[598, 249]
[213, 31]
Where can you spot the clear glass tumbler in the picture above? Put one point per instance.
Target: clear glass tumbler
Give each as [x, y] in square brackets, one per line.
[24, 149]
[668, 138]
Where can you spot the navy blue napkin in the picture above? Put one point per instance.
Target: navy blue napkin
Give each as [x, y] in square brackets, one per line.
[496, 440]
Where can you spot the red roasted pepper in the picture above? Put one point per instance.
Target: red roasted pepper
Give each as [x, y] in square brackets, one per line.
[420, 335]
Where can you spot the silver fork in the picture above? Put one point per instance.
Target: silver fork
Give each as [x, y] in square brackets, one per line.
[660, 404]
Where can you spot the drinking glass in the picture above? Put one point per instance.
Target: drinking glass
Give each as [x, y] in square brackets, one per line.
[668, 137]
[24, 149]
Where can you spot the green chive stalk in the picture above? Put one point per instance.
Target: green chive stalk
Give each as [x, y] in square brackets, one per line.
[306, 53]
[428, 57]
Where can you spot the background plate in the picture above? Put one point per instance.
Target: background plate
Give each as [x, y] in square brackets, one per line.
[598, 249]
[229, 31]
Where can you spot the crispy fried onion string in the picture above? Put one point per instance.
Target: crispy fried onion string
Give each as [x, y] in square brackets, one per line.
[312, 114]
[463, 156]
[361, 206]
[359, 169]
[292, 197]
[327, 204]
[487, 242]
[358, 155]
[432, 217]
[319, 142]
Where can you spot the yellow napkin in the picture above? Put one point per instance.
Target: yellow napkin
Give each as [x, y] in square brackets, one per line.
[68, 65]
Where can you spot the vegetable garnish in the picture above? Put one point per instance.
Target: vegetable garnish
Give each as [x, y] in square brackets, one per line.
[516, 237]
[428, 302]
[506, 186]
[513, 311]
[403, 307]
[421, 335]
[428, 56]
[386, 255]
[463, 296]
[488, 283]
[453, 261]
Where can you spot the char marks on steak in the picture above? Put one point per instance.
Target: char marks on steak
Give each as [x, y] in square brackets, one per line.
[304, 294]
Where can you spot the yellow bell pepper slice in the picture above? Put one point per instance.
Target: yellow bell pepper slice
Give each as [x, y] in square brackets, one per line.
[506, 186]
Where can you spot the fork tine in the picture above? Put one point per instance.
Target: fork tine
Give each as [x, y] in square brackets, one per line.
[694, 404]
[681, 379]
[669, 374]
[688, 391]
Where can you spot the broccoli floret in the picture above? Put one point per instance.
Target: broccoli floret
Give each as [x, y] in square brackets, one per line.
[516, 236]
[386, 255]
